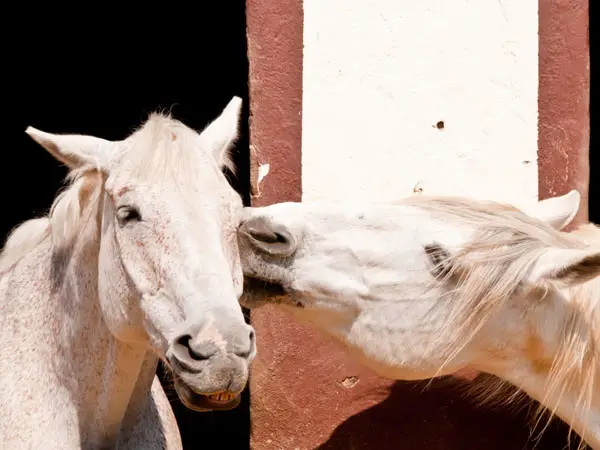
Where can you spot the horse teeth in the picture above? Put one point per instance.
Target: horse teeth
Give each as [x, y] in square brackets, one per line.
[222, 396]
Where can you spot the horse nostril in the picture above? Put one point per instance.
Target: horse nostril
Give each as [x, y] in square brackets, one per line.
[185, 343]
[184, 340]
[270, 238]
[251, 336]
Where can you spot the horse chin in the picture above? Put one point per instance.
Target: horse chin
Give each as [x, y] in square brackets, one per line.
[219, 401]
[258, 293]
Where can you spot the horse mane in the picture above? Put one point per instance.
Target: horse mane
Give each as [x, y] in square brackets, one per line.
[488, 271]
[62, 224]
[162, 147]
[22, 239]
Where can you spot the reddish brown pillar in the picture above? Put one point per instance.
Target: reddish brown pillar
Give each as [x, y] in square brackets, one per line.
[275, 56]
[564, 100]
[305, 392]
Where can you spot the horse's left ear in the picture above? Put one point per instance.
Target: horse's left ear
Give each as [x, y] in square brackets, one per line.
[556, 211]
[219, 136]
[568, 267]
[73, 150]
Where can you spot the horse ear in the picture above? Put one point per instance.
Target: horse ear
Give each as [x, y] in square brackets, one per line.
[218, 137]
[73, 150]
[567, 267]
[557, 211]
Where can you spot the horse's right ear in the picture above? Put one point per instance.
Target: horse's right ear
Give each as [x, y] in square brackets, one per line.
[220, 135]
[73, 150]
[557, 211]
[567, 267]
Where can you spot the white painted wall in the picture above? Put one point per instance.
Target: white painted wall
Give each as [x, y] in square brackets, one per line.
[379, 74]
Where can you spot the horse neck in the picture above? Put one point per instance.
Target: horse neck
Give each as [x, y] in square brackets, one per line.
[103, 372]
[565, 380]
[124, 371]
[565, 404]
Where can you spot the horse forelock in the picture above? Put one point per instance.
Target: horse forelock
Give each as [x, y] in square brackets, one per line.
[166, 149]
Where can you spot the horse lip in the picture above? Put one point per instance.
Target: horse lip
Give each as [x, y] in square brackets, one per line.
[264, 286]
[181, 366]
[202, 402]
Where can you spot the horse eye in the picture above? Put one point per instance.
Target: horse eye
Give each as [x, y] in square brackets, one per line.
[126, 214]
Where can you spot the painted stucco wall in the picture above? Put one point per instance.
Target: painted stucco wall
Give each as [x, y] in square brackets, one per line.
[378, 77]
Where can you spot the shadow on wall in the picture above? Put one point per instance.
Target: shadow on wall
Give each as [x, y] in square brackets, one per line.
[436, 418]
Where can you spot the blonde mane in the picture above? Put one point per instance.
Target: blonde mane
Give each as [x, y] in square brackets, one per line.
[488, 271]
[162, 148]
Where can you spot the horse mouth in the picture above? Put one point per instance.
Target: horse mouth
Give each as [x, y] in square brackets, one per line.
[218, 401]
[259, 292]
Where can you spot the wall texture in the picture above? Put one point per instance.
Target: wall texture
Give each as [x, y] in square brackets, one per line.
[564, 99]
[380, 75]
[347, 102]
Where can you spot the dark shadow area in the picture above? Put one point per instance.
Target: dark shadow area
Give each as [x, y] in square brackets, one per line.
[101, 72]
[441, 417]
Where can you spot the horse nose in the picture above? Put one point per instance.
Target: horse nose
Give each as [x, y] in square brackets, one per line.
[185, 349]
[274, 239]
[251, 347]
[189, 350]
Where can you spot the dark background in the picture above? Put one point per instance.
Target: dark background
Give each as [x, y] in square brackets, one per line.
[100, 71]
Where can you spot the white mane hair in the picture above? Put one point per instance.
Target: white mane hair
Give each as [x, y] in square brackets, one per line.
[62, 223]
[488, 272]
[160, 150]
[23, 239]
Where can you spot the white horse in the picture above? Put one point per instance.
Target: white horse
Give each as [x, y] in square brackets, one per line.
[137, 261]
[433, 286]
